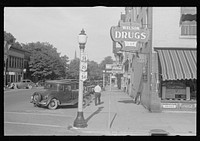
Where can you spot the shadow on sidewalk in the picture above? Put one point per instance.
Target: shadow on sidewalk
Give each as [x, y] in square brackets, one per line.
[127, 101]
[96, 112]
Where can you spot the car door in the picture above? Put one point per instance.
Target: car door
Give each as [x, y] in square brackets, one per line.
[23, 84]
[67, 93]
[75, 91]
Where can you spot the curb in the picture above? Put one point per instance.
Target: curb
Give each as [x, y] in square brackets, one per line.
[13, 90]
[188, 112]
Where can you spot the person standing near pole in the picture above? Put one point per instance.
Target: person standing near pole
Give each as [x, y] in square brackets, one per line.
[138, 96]
[97, 90]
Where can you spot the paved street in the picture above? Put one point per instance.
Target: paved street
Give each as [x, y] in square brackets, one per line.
[21, 118]
[124, 118]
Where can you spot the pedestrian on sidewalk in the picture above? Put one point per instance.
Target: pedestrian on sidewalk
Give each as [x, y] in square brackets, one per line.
[138, 96]
[97, 90]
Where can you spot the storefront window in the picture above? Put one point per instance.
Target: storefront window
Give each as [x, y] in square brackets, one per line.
[179, 90]
[8, 78]
[19, 77]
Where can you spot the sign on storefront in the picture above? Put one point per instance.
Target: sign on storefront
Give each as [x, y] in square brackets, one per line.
[169, 105]
[11, 73]
[128, 35]
[109, 66]
[141, 58]
[117, 69]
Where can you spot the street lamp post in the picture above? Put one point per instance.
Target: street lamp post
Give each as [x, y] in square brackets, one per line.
[104, 79]
[80, 121]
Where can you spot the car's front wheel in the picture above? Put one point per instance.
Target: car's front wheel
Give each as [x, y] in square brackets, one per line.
[36, 99]
[53, 104]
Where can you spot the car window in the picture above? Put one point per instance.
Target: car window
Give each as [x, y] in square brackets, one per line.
[28, 81]
[23, 81]
[76, 85]
[61, 88]
[73, 87]
[69, 87]
[49, 86]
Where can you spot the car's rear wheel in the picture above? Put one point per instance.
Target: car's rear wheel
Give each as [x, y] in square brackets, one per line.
[53, 104]
[37, 97]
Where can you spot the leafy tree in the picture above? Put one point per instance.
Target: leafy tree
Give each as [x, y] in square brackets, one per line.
[45, 61]
[73, 69]
[94, 71]
[9, 38]
[64, 62]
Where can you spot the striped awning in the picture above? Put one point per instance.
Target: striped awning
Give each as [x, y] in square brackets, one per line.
[178, 64]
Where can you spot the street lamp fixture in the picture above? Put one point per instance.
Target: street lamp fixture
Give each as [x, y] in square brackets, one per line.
[80, 121]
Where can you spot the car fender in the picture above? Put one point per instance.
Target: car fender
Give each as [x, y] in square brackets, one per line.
[50, 98]
[38, 98]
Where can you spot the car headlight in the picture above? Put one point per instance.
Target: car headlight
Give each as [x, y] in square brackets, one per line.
[31, 97]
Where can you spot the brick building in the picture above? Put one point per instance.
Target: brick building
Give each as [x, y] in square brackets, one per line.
[15, 63]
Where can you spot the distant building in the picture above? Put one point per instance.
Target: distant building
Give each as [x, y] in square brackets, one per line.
[17, 64]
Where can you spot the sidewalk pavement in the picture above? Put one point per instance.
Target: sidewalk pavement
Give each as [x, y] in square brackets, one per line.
[118, 115]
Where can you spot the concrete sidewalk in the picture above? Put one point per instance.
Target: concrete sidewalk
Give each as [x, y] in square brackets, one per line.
[118, 115]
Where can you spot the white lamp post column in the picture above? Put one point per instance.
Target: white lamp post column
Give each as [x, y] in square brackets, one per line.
[80, 121]
[104, 79]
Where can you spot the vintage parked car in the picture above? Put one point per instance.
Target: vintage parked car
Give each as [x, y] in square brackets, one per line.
[24, 84]
[58, 93]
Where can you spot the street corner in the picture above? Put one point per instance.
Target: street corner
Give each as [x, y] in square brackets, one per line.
[73, 129]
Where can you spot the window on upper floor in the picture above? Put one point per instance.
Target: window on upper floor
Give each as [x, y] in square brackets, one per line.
[188, 21]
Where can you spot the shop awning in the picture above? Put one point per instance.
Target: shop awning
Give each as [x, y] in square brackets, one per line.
[177, 64]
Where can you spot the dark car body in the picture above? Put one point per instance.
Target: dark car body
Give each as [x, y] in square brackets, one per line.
[40, 83]
[57, 93]
[25, 84]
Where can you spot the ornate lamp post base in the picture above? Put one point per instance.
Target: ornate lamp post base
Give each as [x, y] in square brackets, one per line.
[80, 121]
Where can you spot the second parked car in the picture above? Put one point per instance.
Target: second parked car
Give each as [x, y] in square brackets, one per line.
[24, 84]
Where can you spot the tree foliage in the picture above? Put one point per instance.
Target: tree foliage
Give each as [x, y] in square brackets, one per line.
[9, 38]
[94, 71]
[45, 61]
[73, 69]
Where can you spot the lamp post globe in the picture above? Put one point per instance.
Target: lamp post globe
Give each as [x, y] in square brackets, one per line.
[80, 121]
[82, 39]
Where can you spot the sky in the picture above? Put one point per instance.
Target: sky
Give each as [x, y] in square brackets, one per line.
[60, 27]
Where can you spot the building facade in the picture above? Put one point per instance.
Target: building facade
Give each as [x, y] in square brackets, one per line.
[15, 64]
[165, 65]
